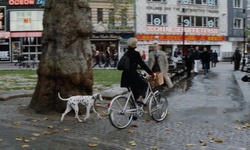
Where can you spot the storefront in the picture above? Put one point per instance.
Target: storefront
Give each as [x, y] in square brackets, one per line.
[20, 29]
[169, 43]
[115, 41]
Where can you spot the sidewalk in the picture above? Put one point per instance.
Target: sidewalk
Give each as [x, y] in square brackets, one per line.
[19, 122]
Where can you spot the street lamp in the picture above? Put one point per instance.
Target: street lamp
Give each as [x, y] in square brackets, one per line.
[183, 31]
[244, 42]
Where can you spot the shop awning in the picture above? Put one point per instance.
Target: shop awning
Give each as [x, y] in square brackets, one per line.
[4, 34]
[26, 34]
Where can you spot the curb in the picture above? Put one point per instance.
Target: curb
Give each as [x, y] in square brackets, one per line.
[6, 95]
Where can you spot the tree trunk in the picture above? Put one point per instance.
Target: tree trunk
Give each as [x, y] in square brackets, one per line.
[65, 64]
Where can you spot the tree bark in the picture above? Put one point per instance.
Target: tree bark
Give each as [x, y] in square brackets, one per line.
[65, 63]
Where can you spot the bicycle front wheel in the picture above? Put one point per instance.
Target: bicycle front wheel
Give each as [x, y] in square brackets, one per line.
[158, 107]
[120, 114]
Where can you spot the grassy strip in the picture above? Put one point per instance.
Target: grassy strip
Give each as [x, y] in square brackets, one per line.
[27, 79]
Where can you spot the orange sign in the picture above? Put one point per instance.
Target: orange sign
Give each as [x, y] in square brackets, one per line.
[180, 37]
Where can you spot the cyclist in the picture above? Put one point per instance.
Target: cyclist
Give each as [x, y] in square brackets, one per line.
[131, 78]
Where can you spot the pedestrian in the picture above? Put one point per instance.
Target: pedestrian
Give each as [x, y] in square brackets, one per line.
[143, 55]
[158, 62]
[176, 52]
[189, 61]
[196, 57]
[108, 56]
[214, 58]
[115, 59]
[97, 59]
[20, 59]
[131, 78]
[205, 60]
[236, 59]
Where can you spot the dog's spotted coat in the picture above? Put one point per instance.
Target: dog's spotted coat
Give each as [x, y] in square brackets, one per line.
[87, 101]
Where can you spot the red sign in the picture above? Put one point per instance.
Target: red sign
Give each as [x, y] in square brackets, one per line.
[180, 37]
[21, 2]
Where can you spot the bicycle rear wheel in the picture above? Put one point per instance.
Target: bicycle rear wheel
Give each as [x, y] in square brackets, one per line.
[120, 115]
[158, 107]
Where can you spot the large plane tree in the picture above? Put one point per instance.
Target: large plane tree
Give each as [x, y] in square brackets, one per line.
[65, 63]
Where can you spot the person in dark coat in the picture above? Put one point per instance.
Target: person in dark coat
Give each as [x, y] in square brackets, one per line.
[131, 78]
[97, 60]
[236, 58]
[189, 61]
[108, 57]
[205, 60]
[214, 58]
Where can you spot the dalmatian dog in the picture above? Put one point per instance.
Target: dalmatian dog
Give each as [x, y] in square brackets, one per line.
[87, 100]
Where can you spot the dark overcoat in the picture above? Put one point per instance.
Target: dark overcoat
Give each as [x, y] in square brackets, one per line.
[132, 78]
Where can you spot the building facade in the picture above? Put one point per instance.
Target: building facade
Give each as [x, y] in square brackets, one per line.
[182, 24]
[21, 29]
[237, 22]
[113, 24]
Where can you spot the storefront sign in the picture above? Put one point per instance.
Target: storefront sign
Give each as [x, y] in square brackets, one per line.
[180, 37]
[26, 20]
[180, 42]
[21, 2]
[104, 36]
[4, 55]
[180, 30]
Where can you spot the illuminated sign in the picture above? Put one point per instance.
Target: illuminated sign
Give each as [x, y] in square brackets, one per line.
[188, 30]
[26, 20]
[21, 2]
[41, 2]
[180, 37]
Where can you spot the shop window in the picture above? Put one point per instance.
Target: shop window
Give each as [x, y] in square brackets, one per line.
[39, 49]
[39, 39]
[16, 51]
[25, 50]
[32, 49]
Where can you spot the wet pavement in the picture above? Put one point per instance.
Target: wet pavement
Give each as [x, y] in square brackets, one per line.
[206, 112]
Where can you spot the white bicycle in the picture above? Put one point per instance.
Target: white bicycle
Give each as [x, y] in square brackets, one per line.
[122, 109]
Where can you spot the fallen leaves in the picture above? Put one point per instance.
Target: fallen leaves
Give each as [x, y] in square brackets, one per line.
[189, 145]
[36, 134]
[131, 131]
[219, 140]
[49, 132]
[179, 123]
[147, 121]
[16, 123]
[132, 143]
[245, 125]
[92, 145]
[25, 146]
